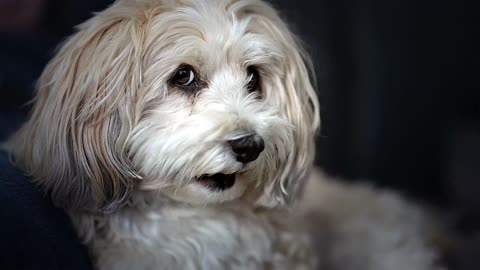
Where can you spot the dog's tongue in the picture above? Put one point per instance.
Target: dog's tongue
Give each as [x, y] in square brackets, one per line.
[218, 181]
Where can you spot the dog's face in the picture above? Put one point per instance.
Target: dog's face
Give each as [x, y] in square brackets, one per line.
[202, 101]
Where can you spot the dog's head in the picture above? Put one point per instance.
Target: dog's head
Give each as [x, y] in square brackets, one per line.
[202, 101]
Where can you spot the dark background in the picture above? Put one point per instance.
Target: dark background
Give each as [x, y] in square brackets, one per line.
[398, 83]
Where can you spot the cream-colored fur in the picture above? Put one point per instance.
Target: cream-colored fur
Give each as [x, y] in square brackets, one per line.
[122, 146]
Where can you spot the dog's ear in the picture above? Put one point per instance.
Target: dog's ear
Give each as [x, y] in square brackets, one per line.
[291, 89]
[86, 104]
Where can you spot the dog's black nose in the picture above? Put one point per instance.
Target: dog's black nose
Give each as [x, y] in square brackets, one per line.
[247, 148]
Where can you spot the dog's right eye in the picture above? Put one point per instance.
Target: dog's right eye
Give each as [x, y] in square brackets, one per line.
[184, 76]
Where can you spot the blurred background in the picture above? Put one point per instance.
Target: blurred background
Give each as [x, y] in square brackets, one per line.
[398, 83]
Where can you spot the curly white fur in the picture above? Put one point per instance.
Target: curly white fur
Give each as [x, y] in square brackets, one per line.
[121, 148]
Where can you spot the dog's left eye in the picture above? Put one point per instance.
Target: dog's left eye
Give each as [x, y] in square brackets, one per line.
[253, 84]
[184, 76]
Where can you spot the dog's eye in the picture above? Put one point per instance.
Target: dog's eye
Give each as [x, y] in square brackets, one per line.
[184, 76]
[253, 84]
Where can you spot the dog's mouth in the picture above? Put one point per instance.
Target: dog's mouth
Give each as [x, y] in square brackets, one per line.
[218, 181]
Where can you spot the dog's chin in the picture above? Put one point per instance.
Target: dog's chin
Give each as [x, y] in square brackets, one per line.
[211, 188]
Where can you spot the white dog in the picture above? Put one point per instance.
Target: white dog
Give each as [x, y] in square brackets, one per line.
[178, 134]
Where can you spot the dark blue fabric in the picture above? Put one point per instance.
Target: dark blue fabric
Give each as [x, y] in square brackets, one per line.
[34, 234]
[9, 123]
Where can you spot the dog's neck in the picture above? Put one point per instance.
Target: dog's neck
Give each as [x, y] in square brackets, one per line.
[143, 206]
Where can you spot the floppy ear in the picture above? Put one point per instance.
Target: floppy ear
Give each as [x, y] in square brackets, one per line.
[86, 104]
[290, 88]
[301, 107]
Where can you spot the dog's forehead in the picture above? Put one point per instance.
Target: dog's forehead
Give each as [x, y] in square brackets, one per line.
[214, 35]
[233, 43]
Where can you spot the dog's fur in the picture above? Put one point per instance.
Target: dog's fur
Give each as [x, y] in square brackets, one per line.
[121, 148]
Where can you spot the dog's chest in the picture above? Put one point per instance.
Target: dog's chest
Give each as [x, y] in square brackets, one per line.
[179, 238]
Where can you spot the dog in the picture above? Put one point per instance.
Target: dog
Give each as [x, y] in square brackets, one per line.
[179, 134]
